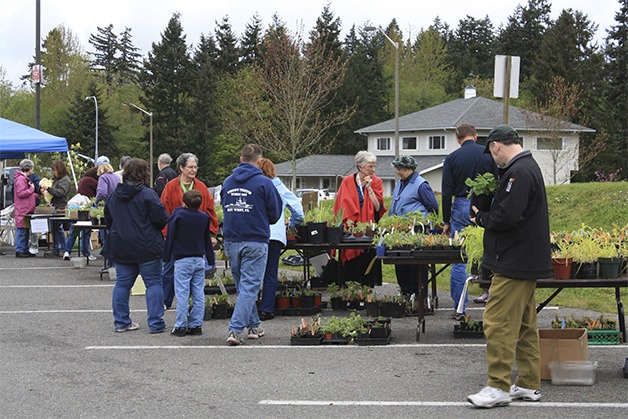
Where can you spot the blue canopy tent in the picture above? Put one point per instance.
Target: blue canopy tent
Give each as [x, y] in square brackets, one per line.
[17, 139]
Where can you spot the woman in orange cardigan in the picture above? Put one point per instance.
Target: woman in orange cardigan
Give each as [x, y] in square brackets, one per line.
[361, 198]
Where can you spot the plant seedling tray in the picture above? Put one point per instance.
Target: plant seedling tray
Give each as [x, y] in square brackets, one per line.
[467, 334]
[603, 337]
[298, 311]
[313, 341]
[364, 341]
[213, 290]
[335, 341]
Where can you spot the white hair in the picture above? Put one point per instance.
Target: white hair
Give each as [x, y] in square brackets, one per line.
[362, 158]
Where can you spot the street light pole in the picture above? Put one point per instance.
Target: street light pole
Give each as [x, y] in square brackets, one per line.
[150, 116]
[396, 45]
[96, 142]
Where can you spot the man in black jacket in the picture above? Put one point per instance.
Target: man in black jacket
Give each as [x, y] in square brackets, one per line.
[517, 251]
[166, 173]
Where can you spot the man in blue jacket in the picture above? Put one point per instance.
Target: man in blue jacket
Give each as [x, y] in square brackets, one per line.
[517, 251]
[250, 204]
[465, 162]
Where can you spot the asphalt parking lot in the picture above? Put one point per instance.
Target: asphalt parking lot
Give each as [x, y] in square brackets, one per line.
[61, 358]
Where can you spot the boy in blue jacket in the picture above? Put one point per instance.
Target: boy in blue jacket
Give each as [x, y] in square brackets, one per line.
[187, 241]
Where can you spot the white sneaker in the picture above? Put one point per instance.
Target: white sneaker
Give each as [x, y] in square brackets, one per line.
[255, 332]
[90, 257]
[525, 394]
[66, 256]
[234, 338]
[490, 397]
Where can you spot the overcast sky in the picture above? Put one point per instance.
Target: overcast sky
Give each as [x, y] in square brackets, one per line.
[148, 18]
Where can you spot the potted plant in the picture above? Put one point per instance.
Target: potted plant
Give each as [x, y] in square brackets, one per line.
[283, 299]
[334, 296]
[585, 251]
[481, 190]
[472, 245]
[221, 306]
[561, 255]
[608, 258]
[334, 228]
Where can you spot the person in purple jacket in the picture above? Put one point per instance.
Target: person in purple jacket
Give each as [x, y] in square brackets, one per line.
[187, 241]
[107, 179]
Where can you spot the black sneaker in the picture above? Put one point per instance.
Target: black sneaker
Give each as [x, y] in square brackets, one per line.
[179, 331]
[196, 330]
[22, 255]
[266, 316]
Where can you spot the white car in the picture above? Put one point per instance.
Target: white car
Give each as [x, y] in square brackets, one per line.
[323, 194]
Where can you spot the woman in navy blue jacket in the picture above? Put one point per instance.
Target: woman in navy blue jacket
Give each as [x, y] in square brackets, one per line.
[135, 217]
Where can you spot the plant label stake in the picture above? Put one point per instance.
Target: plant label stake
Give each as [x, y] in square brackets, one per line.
[460, 308]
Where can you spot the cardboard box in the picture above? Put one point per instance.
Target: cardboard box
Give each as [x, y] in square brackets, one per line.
[562, 345]
[94, 239]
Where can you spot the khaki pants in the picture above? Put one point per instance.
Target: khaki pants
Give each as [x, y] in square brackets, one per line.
[511, 331]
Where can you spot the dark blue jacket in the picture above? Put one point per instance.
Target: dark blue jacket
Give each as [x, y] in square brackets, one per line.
[188, 235]
[466, 162]
[135, 216]
[250, 205]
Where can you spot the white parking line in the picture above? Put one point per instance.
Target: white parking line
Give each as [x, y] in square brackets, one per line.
[35, 268]
[58, 286]
[62, 311]
[309, 348]
[430, 404]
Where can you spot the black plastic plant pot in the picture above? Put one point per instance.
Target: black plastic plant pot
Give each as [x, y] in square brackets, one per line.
[481, 202]
[334, 235]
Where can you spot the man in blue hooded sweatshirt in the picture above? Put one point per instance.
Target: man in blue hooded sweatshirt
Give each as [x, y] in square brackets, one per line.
[250, 205]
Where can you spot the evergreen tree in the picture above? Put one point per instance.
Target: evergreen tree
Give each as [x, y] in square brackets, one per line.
[326, 37]
[523, 33]
[327, 32]
[203, 124]
[615, 103]
[471, 50]
[365, 87]
[129, 59]
[250, 41]
[166, 82]
[228, 55]
[80, 124]
[105, 63]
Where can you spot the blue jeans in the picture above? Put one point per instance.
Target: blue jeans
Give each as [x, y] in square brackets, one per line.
[126, 274]
[248, 262]
[189, 279]
[21, 240]
[59, 238]
[167, 280]
[269, 290]
[459, 220]
[69, 243]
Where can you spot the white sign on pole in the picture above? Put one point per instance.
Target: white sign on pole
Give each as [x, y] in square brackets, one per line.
[499, 77]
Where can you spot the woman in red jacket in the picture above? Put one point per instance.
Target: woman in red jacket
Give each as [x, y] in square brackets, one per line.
[361, 198]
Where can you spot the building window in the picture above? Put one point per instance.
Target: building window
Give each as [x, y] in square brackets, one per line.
[408, 143]
[546, 143]
[383, 144]
[437, 142]
[300, 183]
[326, 183]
